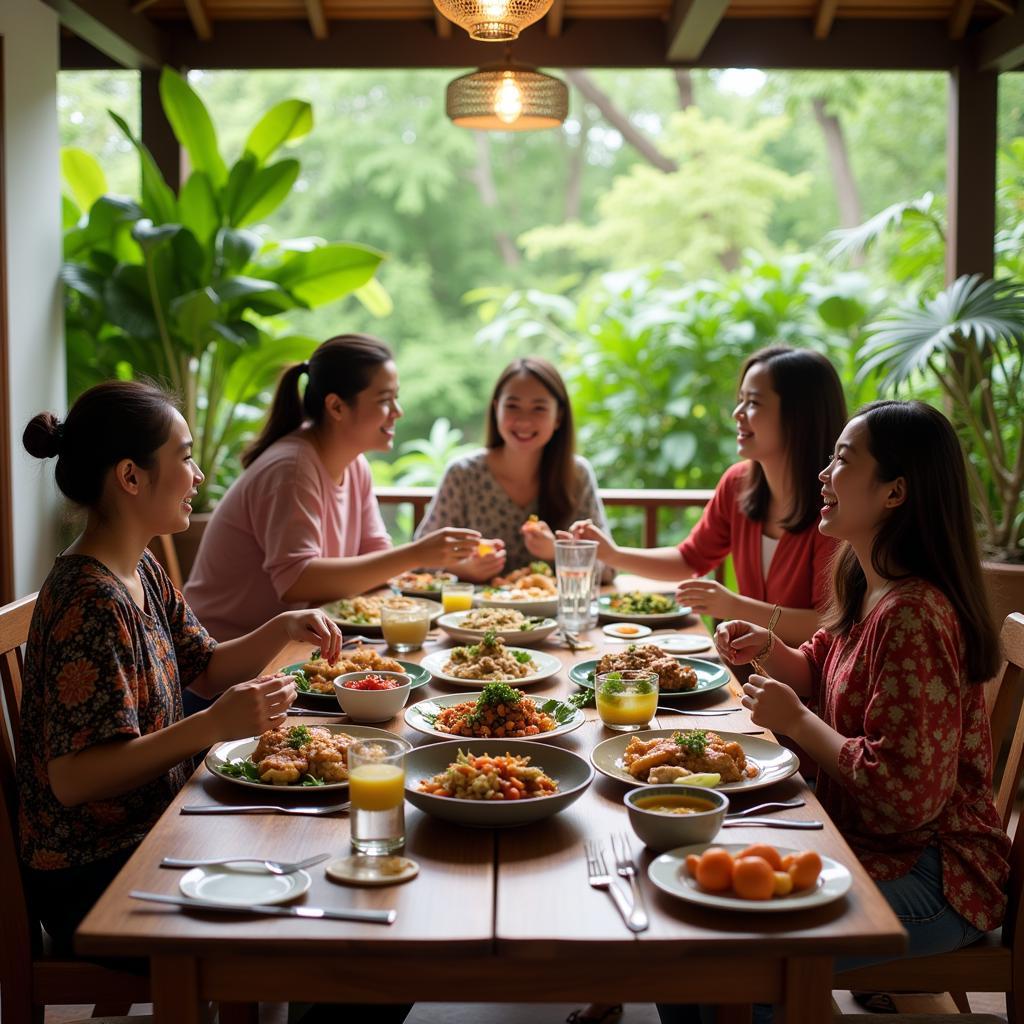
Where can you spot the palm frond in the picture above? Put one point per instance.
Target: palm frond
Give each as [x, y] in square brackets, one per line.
[851, 242]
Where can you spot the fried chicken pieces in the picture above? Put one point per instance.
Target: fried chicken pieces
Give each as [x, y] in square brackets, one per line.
[666, 759]
[672, 675]
[283, 756]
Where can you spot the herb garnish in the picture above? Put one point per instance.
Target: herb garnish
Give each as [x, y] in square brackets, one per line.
[299, 736]
[693, 742]
[523, 657]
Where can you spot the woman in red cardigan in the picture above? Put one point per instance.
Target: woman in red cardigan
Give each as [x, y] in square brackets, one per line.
[764, 511]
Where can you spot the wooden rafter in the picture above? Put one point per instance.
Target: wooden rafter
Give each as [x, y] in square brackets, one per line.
[317, 18]
[200, 20]
[555, 16]
[691, 26]
[140, 5]
[959, 17]
[442, 26]
[1001, 46]
[129, 40]
[1003, 6]
[823, 19]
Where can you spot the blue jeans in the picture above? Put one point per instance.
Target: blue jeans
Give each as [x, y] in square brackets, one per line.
[917, 900]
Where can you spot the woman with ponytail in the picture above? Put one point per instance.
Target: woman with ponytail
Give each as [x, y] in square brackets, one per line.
[301, 525]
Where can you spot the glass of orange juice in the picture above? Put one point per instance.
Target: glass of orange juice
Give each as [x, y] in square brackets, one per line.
[626, 701]
[405, 629]
[376, 787]
[457, 597]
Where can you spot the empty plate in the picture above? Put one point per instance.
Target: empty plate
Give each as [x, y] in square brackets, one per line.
[682, 643]
[243, 885]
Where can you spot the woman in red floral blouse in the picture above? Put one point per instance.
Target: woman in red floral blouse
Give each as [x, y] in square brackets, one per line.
[103, 746]
[901, 734]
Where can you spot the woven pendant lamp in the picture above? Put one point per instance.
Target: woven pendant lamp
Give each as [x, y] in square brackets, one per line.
[507, 98]
[493, 21]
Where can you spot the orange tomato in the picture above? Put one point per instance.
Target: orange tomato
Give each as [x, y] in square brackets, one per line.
[766, 852]
[805, 870]
[692, 860]
[788, 861]
[783, 883]
[753, 878]
[714, 871]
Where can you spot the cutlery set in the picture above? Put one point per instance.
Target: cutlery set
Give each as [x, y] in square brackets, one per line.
[265, 809]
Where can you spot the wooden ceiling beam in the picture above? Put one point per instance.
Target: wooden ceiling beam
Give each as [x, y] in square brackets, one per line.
[554, 19]
[130, 40]
[1001, 46]
[200, 20]
[317, 18]
[691, 25]
[959, 18]
[823, 19]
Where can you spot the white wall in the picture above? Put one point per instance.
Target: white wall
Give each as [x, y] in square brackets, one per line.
[32, 212]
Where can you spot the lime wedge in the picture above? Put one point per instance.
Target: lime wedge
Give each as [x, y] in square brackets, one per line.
[708, 779]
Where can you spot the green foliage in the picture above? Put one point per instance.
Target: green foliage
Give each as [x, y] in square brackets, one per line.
[178, 288]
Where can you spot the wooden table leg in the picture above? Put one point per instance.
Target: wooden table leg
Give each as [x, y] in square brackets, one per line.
[175, 987]
[808, 990]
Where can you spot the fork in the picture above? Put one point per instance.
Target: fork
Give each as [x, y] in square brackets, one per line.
[597, 875]
[275, 867]
[626, 868]
[263, 809]
[797, 801]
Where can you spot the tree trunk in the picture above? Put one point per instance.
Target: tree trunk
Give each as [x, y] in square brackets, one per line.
[847, 194]
[684, 85]
[576, 166]
[590, 91]
[483, 178]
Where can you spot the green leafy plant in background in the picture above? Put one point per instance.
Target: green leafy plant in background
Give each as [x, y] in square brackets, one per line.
[182, 289]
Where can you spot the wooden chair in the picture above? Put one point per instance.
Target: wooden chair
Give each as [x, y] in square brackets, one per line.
[29, 979]
[166, 554]
[996, 963]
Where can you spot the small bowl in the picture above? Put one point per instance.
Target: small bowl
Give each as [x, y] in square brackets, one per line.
[372, 705]
[662, 831]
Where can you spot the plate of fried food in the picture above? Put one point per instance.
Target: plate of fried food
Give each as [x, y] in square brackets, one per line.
[531, 589]
[422, 582]
[363, 613]
[296, 757]
[678, 677]
[315, 677]
[659, 756]
[648, 609]
[496, 712]
[490, 660]
[509, 623]
[494, 783]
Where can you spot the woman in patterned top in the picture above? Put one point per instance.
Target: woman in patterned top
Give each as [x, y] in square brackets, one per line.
[901, 734]
[103, 746]
[526, 483]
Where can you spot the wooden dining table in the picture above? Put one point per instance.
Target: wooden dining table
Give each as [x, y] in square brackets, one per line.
[494, 915]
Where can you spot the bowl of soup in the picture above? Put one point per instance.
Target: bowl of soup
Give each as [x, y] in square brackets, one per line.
[672, 815]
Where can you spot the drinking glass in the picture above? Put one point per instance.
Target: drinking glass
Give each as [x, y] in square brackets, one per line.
[405, 629]
[628, 700]
[457, 597]
[575, 561]
[376, 787]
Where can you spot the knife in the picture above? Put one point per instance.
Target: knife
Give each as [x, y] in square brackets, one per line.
[367, 916]
[317, 812]
[771, 823]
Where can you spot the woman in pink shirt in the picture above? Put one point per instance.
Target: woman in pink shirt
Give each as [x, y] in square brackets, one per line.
[765, 510]
[301, 525]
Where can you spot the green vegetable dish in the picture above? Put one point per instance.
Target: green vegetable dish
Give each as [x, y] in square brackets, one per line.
[639, 603]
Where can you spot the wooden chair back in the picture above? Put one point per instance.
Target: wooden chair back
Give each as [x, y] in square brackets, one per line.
[1004, 697]
[167, 555]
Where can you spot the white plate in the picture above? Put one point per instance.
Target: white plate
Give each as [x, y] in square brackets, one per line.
[414, 717]
[452, 625]
[235, 750]
[547, 666]
[606, 613]
[774, 762]
[681, 643]
[374, 629]
[668, 872]
[545, 606]
[619, 630]
[242, 885]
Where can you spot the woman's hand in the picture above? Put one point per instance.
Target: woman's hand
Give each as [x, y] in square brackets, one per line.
[584, 529]
[446, 546]
[314, 626]
[706, 597]
[480, 568]
[539, 539]
[247, 709]
[772, 704]
[740, 642]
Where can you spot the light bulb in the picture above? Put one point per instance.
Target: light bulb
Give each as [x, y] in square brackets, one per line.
[508, 100]
[496, 9]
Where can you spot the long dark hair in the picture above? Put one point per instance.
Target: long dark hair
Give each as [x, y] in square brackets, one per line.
[556, 499]
[812, 412]
[930, 535]
[119, 419]
[341, 366]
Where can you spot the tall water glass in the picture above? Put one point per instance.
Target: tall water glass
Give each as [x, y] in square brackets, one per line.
[575, 561]
[376, 787]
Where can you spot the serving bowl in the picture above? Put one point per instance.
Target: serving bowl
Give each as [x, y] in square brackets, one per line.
[569, 770]
[372, 705]
[544, 607]
[663, 831]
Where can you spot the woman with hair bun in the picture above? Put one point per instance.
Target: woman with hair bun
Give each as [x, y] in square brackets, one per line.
[301, 525]
[103, 745]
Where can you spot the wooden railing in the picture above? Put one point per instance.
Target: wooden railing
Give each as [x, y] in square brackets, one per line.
[651, 501]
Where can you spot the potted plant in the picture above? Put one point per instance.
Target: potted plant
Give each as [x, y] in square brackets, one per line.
[180, 287]
[969, 339]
